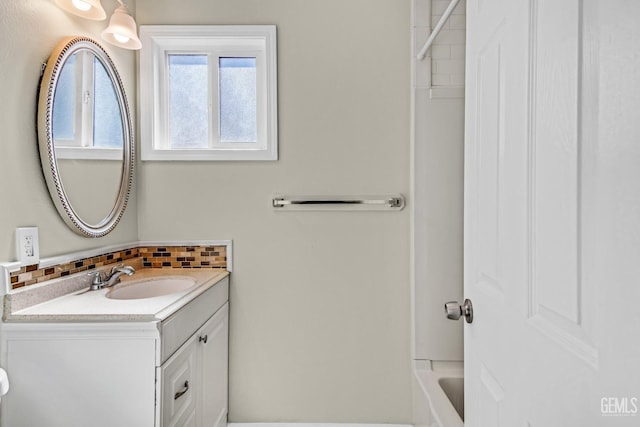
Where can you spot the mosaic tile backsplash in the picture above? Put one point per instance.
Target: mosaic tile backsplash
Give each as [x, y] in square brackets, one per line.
[148, 256]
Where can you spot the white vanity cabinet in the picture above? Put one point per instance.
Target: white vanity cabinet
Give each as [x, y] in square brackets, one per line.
[168, 372]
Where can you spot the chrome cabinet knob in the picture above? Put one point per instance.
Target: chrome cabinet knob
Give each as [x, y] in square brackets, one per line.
[454, 310]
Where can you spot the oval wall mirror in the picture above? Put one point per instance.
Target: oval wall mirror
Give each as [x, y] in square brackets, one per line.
[85, 137]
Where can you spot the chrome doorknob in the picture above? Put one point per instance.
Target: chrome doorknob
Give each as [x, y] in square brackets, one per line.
[454, 310]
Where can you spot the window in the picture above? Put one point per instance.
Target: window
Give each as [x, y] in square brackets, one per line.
[208, 92]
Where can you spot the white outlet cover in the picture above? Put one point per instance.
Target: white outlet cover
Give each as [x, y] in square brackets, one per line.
[27, 245]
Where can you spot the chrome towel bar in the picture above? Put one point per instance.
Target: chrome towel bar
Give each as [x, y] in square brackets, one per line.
[394, 202]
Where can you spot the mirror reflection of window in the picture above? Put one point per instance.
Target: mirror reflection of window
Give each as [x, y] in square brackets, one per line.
[64, 105]
[107, 122]
[86, 112]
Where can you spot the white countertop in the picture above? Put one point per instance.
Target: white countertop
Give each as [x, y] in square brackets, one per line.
[84, 305]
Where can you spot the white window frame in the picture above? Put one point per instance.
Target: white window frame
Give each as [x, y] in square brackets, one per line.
[159, 41]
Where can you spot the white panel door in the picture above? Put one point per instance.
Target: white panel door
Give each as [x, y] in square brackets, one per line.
[552, 213]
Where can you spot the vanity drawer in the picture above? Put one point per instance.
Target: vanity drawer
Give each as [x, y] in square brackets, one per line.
[178, 379]
[176, 329]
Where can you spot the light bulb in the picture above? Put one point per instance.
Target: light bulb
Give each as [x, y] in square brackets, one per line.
[81, 5]
[121, 38]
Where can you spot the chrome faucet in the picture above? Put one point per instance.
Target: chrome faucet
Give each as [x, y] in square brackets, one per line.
[105, 280]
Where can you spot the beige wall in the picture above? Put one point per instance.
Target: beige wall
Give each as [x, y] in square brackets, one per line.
[29, 30]
[320, 311]
[320, 301]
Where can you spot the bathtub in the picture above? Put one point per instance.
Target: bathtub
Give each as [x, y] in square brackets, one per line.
[438, 394]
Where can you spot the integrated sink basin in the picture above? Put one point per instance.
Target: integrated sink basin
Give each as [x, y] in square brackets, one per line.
[151, 294]
[150, 287]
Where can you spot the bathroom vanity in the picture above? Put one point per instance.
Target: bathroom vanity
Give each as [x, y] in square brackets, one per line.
[120, 356]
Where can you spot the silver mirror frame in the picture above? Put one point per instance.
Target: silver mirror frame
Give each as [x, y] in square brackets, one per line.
[58, 58]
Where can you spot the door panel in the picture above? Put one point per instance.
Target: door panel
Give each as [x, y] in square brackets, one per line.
[488, 160]
[556, 291]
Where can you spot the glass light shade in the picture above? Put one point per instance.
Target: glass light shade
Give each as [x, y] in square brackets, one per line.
[122, 30]
[90, 9]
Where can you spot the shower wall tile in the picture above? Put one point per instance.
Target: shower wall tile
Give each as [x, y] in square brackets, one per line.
[448, 70]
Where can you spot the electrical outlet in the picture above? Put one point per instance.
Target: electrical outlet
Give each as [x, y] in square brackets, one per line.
[27, 245]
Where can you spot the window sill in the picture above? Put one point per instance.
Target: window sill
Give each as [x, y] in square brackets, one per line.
[209, 155]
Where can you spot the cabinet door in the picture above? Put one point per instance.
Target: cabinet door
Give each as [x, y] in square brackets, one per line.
[213, 339]
[179, 381]
[75, 379]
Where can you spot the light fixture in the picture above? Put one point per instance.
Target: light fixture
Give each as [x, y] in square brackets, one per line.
[90, 9]
[122, 30]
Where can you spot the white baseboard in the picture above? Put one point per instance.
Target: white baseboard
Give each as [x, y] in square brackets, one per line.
[314, 425]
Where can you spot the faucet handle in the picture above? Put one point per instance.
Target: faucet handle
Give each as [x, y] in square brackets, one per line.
[97, 276]
[94, 274]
